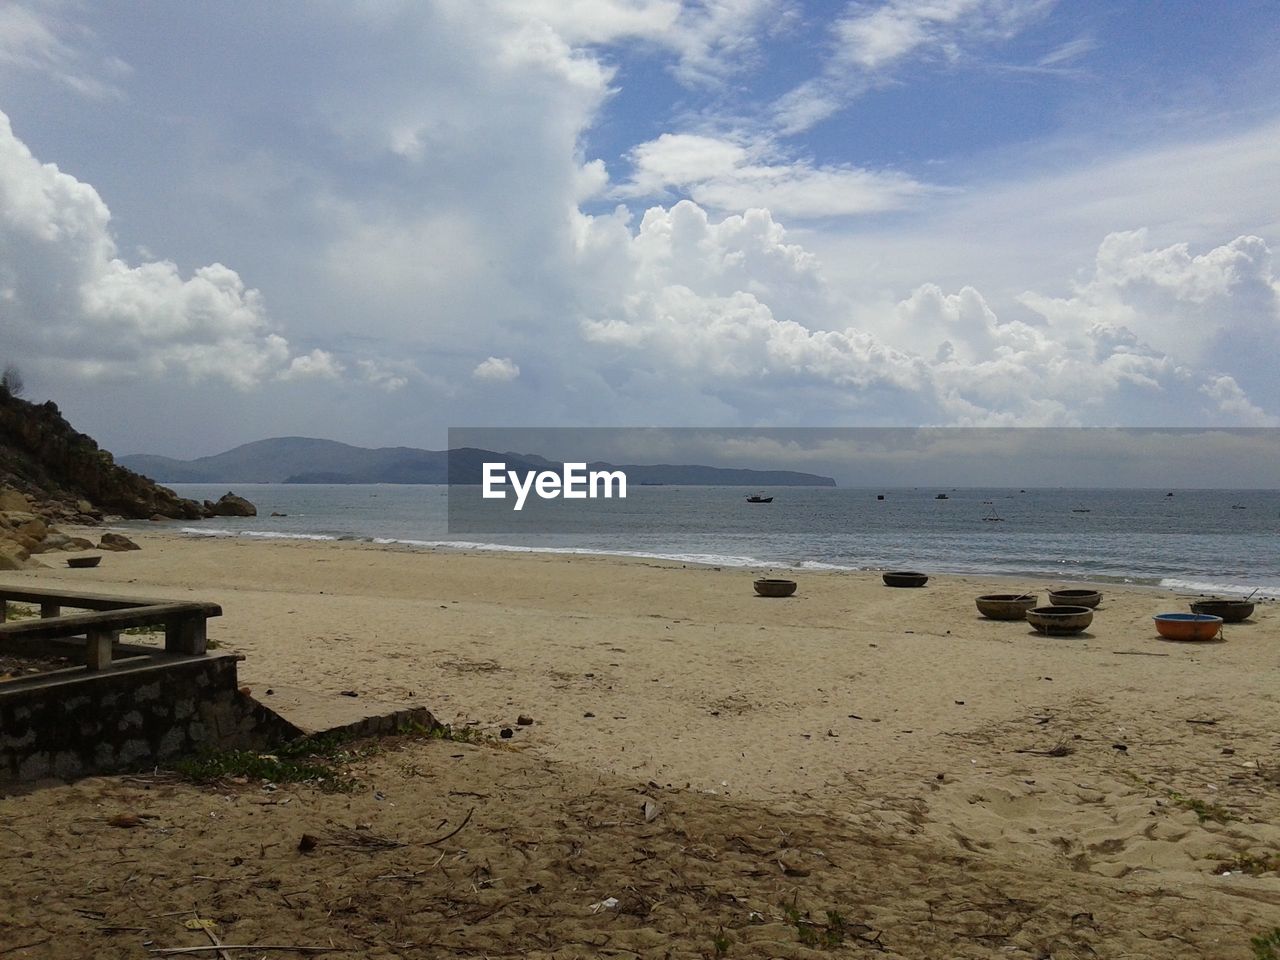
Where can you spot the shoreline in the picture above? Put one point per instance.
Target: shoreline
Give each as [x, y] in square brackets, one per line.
[469, 547]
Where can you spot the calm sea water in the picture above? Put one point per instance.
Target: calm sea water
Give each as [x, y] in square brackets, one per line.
[1225, 541]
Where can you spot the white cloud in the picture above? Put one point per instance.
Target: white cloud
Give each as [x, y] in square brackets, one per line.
[600, 21]
[872, 39]
[1192, 307]
[1066, 53]
[461, 86]
[35, 36]
[470, 126]
[1032, 227]
[725, 175]
[386, 375]
[682, 246]
[739, 311]
[710, 38]
[71, 302]
[809, 103]
[318, 364]
[719, 38]
[497, 370]
[1231, 400]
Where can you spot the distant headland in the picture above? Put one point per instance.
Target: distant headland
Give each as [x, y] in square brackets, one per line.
[310, 460]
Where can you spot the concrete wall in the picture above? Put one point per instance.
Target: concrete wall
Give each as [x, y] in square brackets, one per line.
[69, 724]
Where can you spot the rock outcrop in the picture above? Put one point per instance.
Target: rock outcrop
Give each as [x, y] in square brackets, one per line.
[68, 476]
[23, 533]
[230, 505]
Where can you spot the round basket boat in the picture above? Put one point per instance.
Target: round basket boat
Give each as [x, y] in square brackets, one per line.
[1231, 611]
[1188, 626]
[1059, 620]
[83, 561]
[905, 578]
[1075, 598]
[769, 587]
[1006, 606]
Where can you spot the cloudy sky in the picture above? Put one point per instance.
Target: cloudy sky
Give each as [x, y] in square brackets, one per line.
[373, 220]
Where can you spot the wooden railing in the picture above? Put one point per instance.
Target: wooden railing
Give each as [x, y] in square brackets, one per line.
[184, 623]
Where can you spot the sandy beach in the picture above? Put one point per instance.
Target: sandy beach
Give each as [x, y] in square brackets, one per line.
[947, 785]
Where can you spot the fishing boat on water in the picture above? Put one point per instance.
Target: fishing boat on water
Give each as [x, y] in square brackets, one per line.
[759, 498]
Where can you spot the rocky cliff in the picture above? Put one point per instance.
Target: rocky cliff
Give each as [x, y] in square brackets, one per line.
[68, 477]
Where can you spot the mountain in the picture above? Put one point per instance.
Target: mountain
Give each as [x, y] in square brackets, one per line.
[278, 460]
[307, 460]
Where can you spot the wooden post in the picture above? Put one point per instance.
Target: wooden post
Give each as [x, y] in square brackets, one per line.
[98, 654]
[186, 635]
[4, 610]
[50, 608]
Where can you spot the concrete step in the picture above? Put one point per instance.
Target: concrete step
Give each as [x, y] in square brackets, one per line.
[314, 713]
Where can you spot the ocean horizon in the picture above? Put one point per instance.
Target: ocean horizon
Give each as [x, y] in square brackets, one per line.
[1199, 541]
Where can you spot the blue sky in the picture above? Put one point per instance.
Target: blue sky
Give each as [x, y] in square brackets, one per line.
[374, 221]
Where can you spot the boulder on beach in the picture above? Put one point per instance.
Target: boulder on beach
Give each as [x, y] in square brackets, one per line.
[12, 500]
[35, 528]
[230, 505]
[117, 541]
[57, 540]
[23, 534]
[14, 556]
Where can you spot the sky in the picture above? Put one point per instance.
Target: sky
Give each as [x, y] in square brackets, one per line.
[372, 221]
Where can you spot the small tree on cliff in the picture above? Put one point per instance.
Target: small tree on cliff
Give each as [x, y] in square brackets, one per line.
[11, 380]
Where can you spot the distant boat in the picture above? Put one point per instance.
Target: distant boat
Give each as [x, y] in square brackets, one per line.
[1238, 506]
[879, 496]
[1169, 494]
[759, 498]
[942, 496]
[1080, 510]
[992, 515]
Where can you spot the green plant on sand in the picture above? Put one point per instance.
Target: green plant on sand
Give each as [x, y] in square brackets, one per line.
[813, 933]
[1266, 946]
[246, 764]
[721, 943]
[1203, 809]
[1253, 866]
[320, 760]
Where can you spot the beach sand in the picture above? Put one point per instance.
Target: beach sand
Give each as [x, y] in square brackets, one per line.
[949, 786]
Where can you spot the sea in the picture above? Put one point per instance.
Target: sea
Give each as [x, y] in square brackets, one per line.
[1195, 541]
